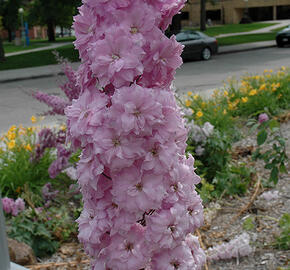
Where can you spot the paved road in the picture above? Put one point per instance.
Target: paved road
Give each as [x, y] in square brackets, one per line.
[198, 76]
[16, 106]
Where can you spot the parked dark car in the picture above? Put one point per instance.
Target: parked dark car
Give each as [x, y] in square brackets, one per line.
[283, 37]
[197, 44]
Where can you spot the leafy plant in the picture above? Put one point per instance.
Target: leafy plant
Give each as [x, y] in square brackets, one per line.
[215, 156]
[16, 165]
[283, 241]
[269, 134]
[233, 179]
[27, 227]
[248, 224]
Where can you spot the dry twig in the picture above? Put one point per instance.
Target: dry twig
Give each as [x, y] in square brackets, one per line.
[254, 196]
[55, 264]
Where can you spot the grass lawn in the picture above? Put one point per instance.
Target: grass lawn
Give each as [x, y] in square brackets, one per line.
[10, 47]
[40, 58]
[64, 39]
[233, 40]
[233, 28]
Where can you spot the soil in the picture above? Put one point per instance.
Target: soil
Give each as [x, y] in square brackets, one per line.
[222, 223]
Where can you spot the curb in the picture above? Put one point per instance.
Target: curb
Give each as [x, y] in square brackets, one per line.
[52, 74]
[32, 77]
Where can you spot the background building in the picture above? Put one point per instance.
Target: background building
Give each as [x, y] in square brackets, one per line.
[231, 11]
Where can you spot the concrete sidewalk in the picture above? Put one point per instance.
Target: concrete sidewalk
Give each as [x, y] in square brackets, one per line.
[280, 23]
[52, 46]
[52, 70]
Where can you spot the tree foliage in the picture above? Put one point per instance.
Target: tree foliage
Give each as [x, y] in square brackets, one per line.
[9, 11]
[52, 13]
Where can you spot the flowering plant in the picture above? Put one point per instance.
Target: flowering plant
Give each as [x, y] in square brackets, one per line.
[17, 169]
[140, 203]
[11, 206]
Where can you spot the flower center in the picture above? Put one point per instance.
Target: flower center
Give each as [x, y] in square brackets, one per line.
[116, 142]
[86, 114]
[115, 205]
[172, 228]
[175, 264]
[139, 186]
[115, 57]
[134, 30]
[154, 152]
[163, 60]
[129, 246]
[175, 187]
[136, 113]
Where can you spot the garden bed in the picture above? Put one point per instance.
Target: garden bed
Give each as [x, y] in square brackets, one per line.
[223, 222]
[240, 139]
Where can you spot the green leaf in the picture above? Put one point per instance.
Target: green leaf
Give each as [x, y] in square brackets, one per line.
[248, 224]
[262, 137]
[269, 166]
[274, 175]
[273, 124]
[282, 168]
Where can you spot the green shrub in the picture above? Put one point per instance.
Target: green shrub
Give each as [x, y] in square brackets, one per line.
[16, 165]
[283, 241]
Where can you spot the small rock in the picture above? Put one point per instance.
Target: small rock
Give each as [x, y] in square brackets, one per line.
[21, 253]
[68, 249]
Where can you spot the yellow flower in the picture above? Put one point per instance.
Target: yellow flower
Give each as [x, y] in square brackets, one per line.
[11, 144]
[257, 77]
[226, 93]
[243, 90]
[203, 104]
[29, 129]
[268, 76]
[253, 92]
[244, 99]
[199, 114]
[33, 119]
[283, 68]
[262, 87]
[195, 97]
[11, 135]
[275, 86]
[244, 83]
[280, 95]
[63, 127]
[189, 93]
[28, 147]
[266, 70]
[187, 103]
[270, 70]
[225, 111]
[231, 106]
[12, 128]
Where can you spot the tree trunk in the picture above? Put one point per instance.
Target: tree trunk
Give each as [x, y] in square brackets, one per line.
[2, 55]
[50, 31]
[202, 15]
[9, 35]
[175, 26]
